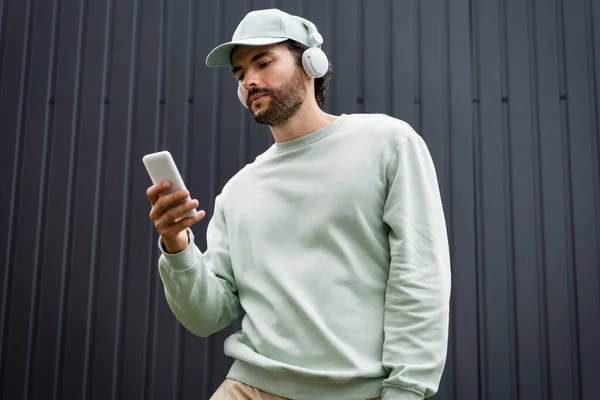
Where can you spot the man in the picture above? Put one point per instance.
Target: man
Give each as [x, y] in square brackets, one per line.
[333, 241]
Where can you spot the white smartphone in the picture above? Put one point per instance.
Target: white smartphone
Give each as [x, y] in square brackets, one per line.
[161, 167]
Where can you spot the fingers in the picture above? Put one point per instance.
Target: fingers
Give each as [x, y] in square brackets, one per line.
[173, 221]
[163, 203]
[154, 191]
[174, 229]
[172, 215]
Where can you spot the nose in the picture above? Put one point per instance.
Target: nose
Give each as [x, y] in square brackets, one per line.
[250, 80]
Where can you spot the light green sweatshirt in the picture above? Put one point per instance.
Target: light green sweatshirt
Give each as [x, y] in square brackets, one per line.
[334, 246]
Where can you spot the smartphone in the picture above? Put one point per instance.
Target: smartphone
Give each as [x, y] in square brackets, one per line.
[161, 167]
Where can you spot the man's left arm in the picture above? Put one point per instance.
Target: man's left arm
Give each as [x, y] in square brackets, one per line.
[418, 288]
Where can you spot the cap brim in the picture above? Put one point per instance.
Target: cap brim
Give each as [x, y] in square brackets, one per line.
[220, 55]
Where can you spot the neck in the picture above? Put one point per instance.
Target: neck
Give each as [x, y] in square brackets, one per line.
[310, 118]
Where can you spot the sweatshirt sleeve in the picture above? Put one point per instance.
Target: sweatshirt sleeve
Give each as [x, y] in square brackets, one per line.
[417, 296]
[200, 288]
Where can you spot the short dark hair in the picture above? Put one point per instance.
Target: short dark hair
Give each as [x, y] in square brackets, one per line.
[297, 49]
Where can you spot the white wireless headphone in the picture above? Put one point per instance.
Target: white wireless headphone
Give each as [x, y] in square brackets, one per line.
[314, 60]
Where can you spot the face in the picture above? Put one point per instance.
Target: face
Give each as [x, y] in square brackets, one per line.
[276, 86]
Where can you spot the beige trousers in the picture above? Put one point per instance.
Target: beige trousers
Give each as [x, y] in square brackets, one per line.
[231, 389]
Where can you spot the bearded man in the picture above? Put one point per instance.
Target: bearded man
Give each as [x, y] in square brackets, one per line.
[332, 243]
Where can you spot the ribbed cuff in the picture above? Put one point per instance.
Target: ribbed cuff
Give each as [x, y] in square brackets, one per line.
[389, 393]
[181, 261]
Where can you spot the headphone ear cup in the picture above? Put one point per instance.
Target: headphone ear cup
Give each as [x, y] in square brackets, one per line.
[315, 62]
[241, 96]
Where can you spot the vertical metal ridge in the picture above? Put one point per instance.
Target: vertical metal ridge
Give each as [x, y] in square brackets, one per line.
[40, 226]
[449, 203]
[98, 190]
[213, 176]
[540, 240]
[301, 7]
[566, 164]
[360, 43]
[3, 18]
[15, 189]
[331, 53]
[332, 50]
[388, 23]
[506, 131]
[477, 184]
[41, 211]
[418, 76]
[166, 27]
[153, 286]
[177, 358]
[69, 210]
[159, 136]
[445, 79]
[126, 204]
[151, 320]
[190, 81]
[594, 123]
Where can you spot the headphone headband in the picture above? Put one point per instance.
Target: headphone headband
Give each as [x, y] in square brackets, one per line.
[315, 36]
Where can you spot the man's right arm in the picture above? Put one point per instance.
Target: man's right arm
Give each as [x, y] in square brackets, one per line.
[200, 287]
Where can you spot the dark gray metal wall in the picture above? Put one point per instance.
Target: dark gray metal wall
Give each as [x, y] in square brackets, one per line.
[505, 93]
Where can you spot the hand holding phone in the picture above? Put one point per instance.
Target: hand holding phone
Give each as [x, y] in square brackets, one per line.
[173, 210]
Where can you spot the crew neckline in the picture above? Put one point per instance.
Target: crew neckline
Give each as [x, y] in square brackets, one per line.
[311, 137]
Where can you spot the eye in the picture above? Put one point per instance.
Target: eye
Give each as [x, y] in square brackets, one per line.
[265, 64]
[240, 77]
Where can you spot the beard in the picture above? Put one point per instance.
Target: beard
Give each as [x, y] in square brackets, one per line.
[285, 101]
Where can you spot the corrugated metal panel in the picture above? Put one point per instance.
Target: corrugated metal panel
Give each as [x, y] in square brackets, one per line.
[505, 93]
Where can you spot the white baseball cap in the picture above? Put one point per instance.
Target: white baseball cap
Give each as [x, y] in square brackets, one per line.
[261, 28]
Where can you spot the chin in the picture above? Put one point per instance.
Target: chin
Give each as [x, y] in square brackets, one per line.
[262, 103]
[261, 108]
